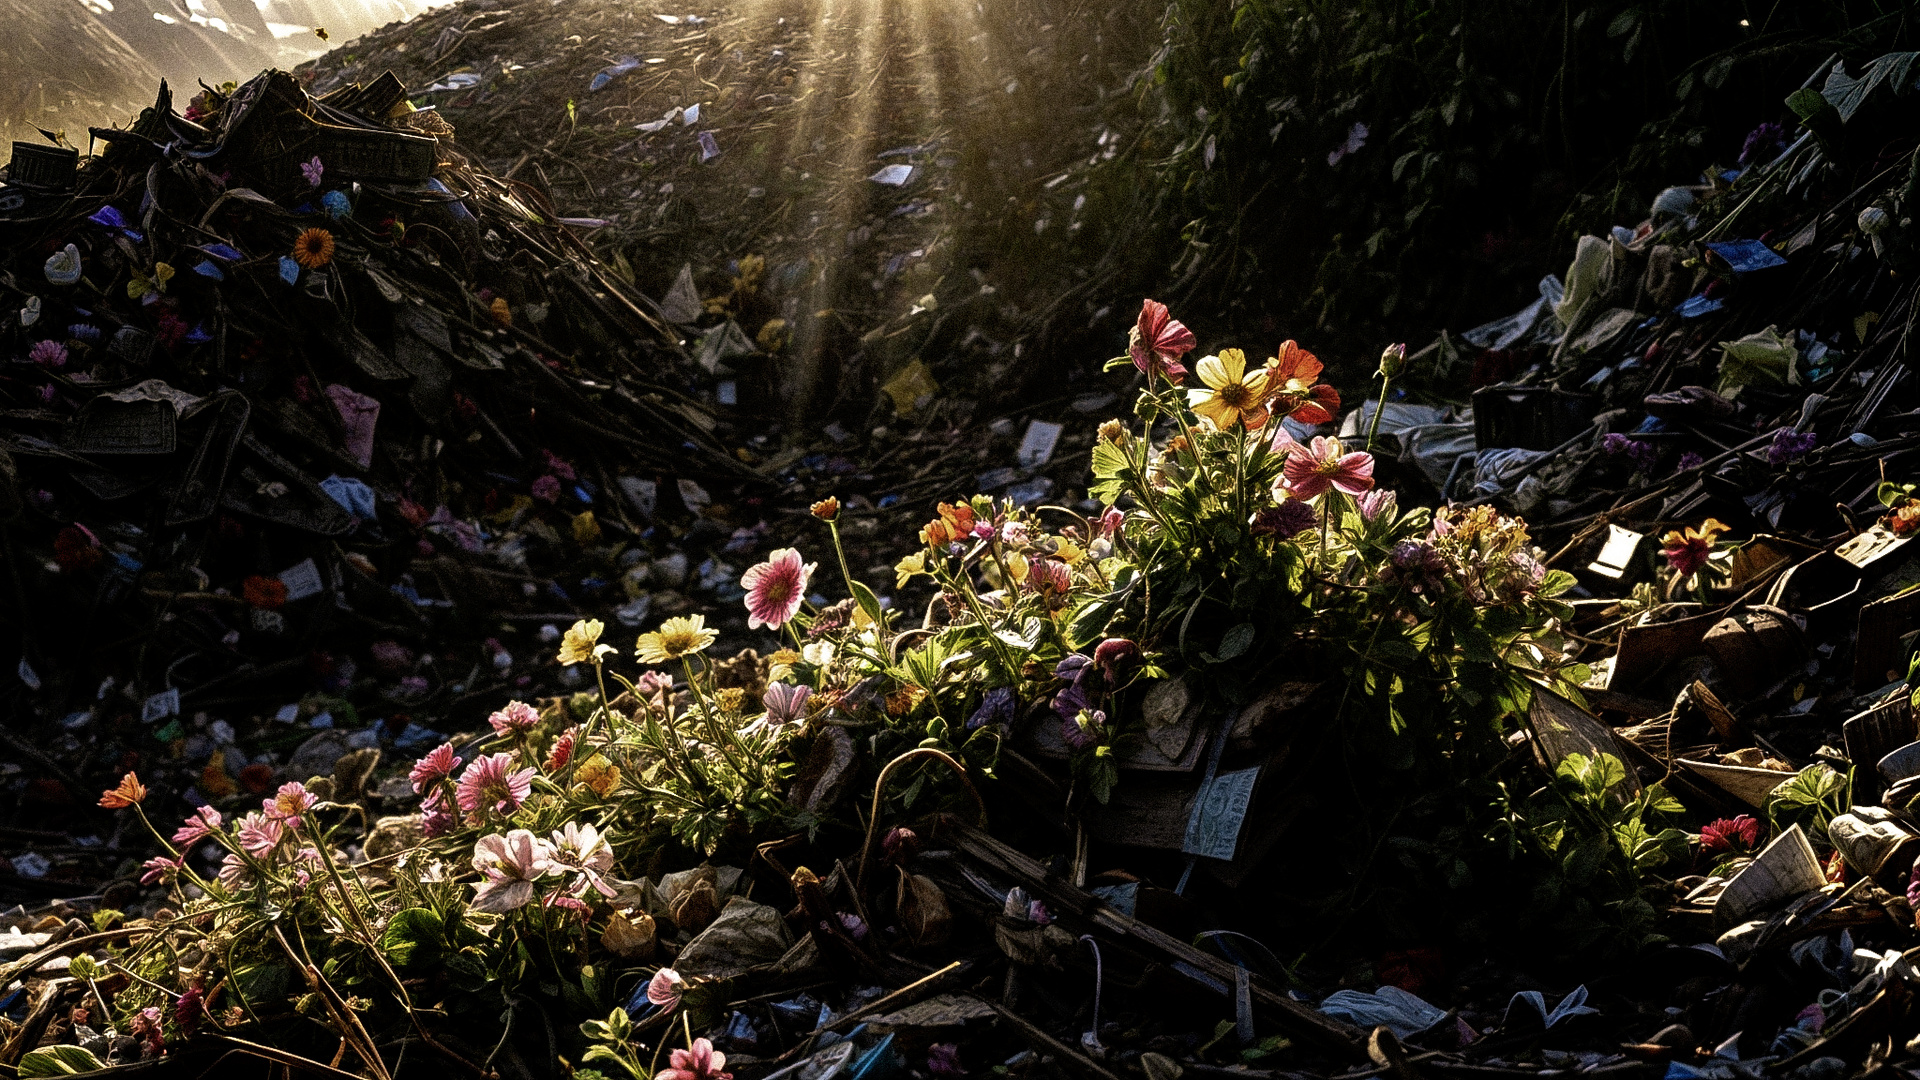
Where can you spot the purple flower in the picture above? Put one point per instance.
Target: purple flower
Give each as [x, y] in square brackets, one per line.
[1689, 460]
[1640, 452]
[313, 170]
[1762, 140]
[943, 1061]
[1789, 445]
[50, 354]
[1285, 521]
[1069, 702]
[996, 707]
[1376, 501]
[1074, 668]
[1083, 729]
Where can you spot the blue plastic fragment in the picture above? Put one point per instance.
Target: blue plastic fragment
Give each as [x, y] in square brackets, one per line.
[1695, 306]
[206, 269]
[289, 270]
[1746, 256]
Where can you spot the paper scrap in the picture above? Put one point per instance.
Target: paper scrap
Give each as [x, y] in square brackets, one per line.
[1213, 829]
[302, 580]
[893, 175]
[1036, 447]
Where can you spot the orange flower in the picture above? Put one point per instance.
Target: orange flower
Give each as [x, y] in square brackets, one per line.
[827, 509]
[314, 249]
[954, 525]
[130, 792]
[265, 593]
[1292, 382]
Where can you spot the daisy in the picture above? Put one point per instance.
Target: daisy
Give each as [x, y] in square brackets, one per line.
[517, 717]
[1158, 341]
[313, 249]
[1232, 395]
[775, 589]
[491, 784]
[678, 637]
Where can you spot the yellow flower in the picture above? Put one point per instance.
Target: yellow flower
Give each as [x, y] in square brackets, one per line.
[909, 568]
[599, 774]
[313, 248]
[780, 665]
[676, 638]
[1017, 567]
[1233, 395]
[581, 645]
[586, 530]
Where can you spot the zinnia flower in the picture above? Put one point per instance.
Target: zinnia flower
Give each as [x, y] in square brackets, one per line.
[702, 1062]
[1294, 392]
[1158, 341]
[161, 869]
[491, 783]
[518, 716]
[546, 488]
[313, 249]
[677, 637]
[665, 988]
[290, 802]
[1728, 833]
[259, 834]
[785, 703]
[201, 824]
[440, 763]
[581, 643]
[775, 589]
[129, 793]
[1233, 395]
[1687, 550]
[511, 863]
[1321, 468]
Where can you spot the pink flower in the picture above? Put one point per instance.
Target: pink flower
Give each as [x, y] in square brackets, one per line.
[1110, 522]
[439, 764]
[652, 683]
[1284, 521]
[233, 871]
[490, 783]
[775, 589]
[1158, 341]
[562, 751]
[1321, 468]
[259, 834]
[1727, 834]
[48, 354]
[785, 703]
[576, 908]
[665, 988]
[517, 717]
[511, 863]
[290, 802]
[1374, 502]
[547, 488]
[200, 825]
[1049, 576]
[558, 466]
[435, 818]
[702, 1062]
[582, 850]
[145, 1026]
[943, 1061]
[161, 868]
[313, 170]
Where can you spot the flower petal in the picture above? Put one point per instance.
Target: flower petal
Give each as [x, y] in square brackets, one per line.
[1213, 371]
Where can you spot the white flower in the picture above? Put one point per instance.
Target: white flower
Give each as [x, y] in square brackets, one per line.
[511, 863]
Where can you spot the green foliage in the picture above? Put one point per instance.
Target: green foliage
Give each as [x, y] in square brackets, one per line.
[1811, 799]
[58, 1061]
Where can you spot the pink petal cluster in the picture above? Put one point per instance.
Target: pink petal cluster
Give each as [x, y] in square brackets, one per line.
[702, 1062]
[775, 589]
[160, 868]
[48, 354]
[201, 824]
[291, 801]
[562, 751]
[259, 834]
[511, 864]
[785, 703]
[581, 850]
[665, 988]
[1726, 834]
[491, 783]
[1322, 467]
[440, 763]
[516, 718]
[1158, 341]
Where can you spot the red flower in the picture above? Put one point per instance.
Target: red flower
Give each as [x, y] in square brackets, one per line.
[1687, 550]
[1730, 834]
[1296, 394]
[265, 593]
[1158, 341]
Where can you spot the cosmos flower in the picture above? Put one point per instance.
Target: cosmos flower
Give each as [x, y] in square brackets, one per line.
[259, 834]
[518, 716]
[1232, 394]
[199, 825]
[1158, 341]
[775, 589]
[161, 869]
[1687, 550]
[291, 801]
[677, 637]
[129, 792]
[440, 763]
[511, 864]
[1322, 467]
[491, 783]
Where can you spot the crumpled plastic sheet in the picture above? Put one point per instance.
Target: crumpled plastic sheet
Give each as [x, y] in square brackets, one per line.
[1763, 357]
[1533, 323]
[1402, 1013]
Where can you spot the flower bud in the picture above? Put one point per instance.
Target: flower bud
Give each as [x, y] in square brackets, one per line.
[1114, 431]
[1392, 359]
[827, 509]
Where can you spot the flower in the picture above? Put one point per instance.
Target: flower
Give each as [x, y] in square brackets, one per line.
[1393, 358]
[547, 488]
[665, 988]
[1233, 395]
[599, 775]
[899, 844]
[1687, 550]
[581, 643]
[336, 204]
[775, 589]
[702, 1062]
[652, 684]
[1376, 502]
[1727, 834]
[435, 818]
[785, 703]
[313, 249]
[1049, 577]
[1639, 451]
[909, 568]
[1084, 729]
[518, 716]
[1158, 341]
[943, 1061]
[996, 707]
[562, 751]
[1904, 519]
[854, 925]
[1294, 392]
[1789, 444]
[491, 783]
[511, 864]
[145, 1026]
[259, 834]
[1418, 564]
[827, 509]
[313, 170]
[954, 525]
[287, 804]
[1764, 139]
[48, 354]
[677, 637]
[440, 763]
[201, 824]
[500, 312]
[161, 869]
[190, 1007]
[582, 850]
[1323, 467]
[1111, 520]
[1113, 431]
[130, 792]
[1117, 659]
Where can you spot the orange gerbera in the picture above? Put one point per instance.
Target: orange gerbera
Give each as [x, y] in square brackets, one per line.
[314, 249]
[1294, 389]
[954, 525]
[130, 792]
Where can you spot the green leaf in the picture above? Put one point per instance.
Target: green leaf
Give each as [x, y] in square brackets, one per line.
[1237, 641]
[59, 1061]
[416, 935]
[868, 602]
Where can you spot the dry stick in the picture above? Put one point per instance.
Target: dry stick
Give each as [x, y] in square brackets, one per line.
[1035, 1034]
[879, 787]
[337, 1008]
[284, 1057]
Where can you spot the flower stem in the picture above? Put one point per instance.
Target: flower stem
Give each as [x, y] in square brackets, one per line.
[1378, 408]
